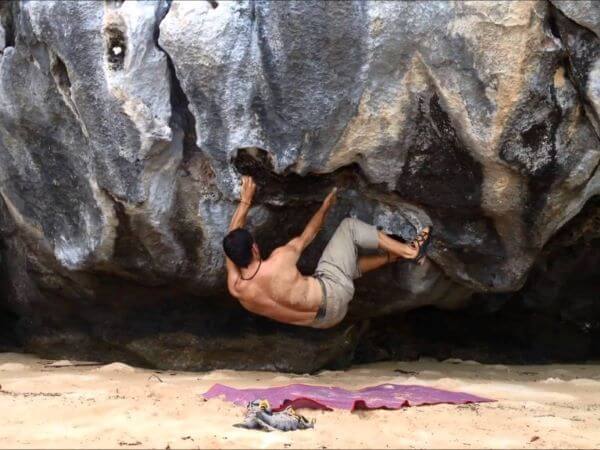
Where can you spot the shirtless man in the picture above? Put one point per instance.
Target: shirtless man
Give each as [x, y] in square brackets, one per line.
[276, 289]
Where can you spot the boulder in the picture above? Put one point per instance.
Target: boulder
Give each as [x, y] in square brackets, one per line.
[125, 128]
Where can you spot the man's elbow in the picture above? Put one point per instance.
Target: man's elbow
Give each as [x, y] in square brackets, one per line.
[308, 237]
[297, 244]
[232, 290]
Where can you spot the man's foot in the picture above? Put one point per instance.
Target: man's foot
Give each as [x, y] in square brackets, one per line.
[392, 258]
[398, 248]
[420, 243]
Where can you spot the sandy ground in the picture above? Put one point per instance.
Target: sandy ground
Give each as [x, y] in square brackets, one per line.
[59, 405]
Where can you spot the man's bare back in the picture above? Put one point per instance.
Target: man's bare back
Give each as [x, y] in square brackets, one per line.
[279, 290]
[275, 288]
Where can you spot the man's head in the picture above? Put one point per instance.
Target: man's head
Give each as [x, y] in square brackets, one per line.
[240, 247]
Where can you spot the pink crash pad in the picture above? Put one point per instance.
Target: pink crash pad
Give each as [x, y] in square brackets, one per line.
[385, 396]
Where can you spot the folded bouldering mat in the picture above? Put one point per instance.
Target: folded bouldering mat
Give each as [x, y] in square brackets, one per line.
[383, 396]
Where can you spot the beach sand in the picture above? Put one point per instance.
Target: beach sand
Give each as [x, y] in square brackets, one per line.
[58, 404]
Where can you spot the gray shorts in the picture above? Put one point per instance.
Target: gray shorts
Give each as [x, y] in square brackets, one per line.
[338, 267]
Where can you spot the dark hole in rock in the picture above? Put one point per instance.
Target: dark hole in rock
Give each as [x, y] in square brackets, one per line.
[8, 12]
[115, 47]
[553, 25]
[60, 74]
[534, 135]
[272, 186]
[213, 3]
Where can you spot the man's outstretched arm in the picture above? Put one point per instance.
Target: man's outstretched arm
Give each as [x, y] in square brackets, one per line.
[314, 225]
[238, 220]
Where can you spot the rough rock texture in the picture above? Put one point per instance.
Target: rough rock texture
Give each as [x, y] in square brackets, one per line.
[125, 126]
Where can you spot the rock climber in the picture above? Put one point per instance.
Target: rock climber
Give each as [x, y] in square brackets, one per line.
[274, 287]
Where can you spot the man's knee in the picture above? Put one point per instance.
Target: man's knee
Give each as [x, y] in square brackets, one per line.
[348, 227]
[349, 223]
[362, 234]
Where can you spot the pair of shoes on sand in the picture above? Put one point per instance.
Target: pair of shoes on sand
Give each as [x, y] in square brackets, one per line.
[259, 416]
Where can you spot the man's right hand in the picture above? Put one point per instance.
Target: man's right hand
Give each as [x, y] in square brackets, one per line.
[248, 189]
[330, 199]
[314, 225]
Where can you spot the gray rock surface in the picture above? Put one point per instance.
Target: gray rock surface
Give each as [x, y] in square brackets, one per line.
[585, 13]
[2, 38]
[125, 126]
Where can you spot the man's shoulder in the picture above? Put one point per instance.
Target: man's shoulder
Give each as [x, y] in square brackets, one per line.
[286, 248]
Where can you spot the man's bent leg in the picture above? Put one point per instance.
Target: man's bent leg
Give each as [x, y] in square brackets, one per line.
[368, 263]
[338, 267]
[341, 252]
[397, 248]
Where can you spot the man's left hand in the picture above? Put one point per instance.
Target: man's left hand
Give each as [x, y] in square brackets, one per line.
[248, 189]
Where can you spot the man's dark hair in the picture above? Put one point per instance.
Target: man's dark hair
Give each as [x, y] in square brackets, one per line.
[238, 246]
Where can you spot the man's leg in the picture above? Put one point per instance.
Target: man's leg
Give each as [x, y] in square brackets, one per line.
[339, 264]
[397, 248]
[352, 234]
[360, 235]
[367, 263]
[338, 267]
[341, 253]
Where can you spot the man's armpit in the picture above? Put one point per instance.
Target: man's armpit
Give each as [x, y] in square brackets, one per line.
[231, 281]
[295, 245]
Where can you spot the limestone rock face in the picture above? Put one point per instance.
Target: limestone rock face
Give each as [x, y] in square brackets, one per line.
[125, 127]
